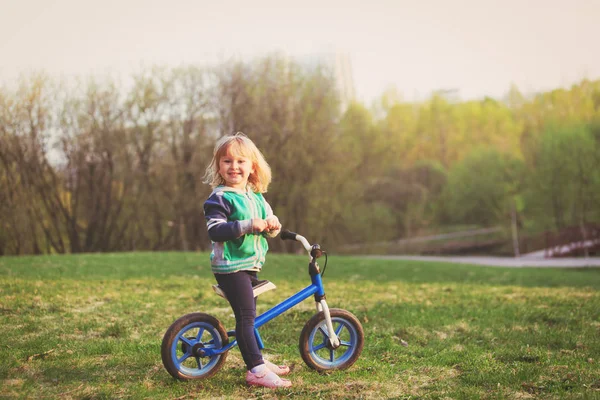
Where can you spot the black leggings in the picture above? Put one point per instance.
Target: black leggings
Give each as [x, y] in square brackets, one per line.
[238, 289]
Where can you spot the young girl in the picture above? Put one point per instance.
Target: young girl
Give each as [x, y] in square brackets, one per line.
[238, 218]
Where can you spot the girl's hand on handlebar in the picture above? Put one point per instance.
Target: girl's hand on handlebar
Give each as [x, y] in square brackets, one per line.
[273, 226]
[259, 225]
[273, 223]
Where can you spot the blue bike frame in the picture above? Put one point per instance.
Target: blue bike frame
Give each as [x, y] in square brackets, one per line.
[315, 288]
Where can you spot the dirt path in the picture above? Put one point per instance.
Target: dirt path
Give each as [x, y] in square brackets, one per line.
[522, 262]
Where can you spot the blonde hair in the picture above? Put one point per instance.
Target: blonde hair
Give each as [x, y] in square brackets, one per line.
[240, 145]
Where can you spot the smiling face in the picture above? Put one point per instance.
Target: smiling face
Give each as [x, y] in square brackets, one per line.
[235, 168]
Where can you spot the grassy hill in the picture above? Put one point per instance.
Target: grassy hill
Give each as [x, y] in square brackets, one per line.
[90, 326]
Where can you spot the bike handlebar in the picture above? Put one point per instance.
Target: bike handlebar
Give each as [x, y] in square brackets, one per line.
[287, 235]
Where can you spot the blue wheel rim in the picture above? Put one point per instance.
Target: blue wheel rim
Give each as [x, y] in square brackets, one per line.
[325, 356]
[181, 349]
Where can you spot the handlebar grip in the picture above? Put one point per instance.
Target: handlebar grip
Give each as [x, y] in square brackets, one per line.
[287, 235]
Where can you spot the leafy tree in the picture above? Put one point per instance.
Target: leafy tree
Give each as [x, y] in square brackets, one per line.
[564, 186]
[482, 188]
[364, 155]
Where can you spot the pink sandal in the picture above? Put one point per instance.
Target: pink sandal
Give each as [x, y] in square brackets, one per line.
[266, 379]
[280, 370]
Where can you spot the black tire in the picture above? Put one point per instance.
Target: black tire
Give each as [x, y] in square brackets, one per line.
[184, 338]
[317, 352]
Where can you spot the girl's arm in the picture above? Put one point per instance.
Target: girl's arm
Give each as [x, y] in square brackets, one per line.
[217, 211]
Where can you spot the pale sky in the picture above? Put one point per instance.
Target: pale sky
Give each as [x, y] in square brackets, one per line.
[478, 47]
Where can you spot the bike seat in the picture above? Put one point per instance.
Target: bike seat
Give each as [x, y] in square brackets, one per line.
[258, 287]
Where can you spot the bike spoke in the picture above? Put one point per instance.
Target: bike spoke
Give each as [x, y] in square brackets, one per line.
[344, 343]
[186, 340]
[199, 361]
[331, 355]
[183, 358]
[339, 329]
[319, 347]
[200, 333]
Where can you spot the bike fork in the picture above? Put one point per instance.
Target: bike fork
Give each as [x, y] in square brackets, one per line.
[333, 338]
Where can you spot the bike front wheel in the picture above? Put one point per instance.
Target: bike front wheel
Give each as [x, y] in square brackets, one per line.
[182, 346]
[316, 348]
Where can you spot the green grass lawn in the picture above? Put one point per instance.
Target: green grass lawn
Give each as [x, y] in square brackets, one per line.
[90, 327]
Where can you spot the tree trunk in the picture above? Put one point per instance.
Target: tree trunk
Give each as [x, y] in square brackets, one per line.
[515, 233]
[183, 234]
[583, 231]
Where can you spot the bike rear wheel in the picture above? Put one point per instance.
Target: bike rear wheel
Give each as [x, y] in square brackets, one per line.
[182, 345]
[316, 349]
